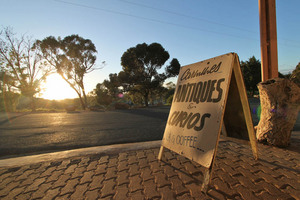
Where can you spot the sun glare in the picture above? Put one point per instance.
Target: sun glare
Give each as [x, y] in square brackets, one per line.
[57, 89]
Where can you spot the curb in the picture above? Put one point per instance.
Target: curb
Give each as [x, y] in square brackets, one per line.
[100, 150]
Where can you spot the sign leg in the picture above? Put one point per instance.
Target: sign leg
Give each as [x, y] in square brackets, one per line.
[224, 132]
[160, 153]
[246, 108]
[206, 179]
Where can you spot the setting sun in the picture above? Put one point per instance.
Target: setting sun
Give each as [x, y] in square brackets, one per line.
[57, 89]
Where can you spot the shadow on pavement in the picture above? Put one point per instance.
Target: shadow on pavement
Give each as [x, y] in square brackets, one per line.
[148, 112]
[9, 118]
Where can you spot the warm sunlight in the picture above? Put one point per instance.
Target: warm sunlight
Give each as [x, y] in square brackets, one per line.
[57, 89]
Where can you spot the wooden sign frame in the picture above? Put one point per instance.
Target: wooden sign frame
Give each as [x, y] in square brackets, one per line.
[242, 124]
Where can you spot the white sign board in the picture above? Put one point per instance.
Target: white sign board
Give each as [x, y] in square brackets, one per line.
[196, 115]
[210, 96]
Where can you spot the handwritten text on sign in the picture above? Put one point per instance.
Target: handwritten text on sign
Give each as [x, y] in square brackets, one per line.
[198, 104]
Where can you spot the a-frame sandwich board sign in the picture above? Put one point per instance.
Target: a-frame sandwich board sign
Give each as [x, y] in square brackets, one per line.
[197, 115]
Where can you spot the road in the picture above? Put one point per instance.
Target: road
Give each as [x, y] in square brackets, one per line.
[45, 132]
[35, 133]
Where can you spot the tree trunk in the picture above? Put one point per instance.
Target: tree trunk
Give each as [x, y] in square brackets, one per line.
[82, 103]
[81, 100]
[84, 95]
[33, 103]
[146, 99]
[280, 103]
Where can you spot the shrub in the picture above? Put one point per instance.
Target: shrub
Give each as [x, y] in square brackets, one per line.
[70, 108]
[169, 100]
[121, 106]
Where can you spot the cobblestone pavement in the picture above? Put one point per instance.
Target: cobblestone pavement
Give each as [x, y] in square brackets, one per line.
[139, 175]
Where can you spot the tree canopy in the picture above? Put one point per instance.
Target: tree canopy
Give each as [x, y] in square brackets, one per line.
[251, 70]
[173, 68]
[140, 66]
[72, 57]
[102, 95]
[112, 85]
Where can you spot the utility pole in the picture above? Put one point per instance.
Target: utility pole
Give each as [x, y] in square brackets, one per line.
[268, 39]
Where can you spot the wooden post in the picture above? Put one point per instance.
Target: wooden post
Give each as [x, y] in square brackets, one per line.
[268, 39]
[279, 98]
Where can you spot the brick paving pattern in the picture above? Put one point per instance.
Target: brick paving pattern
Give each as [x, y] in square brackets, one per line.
[139, 175]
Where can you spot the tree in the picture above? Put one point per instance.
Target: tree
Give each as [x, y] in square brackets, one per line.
[251, 70]
[8, 96]
[102, 96]
[173, 68]
[170, 92]
[21, 66]
[295, 76]
[112, 85]
[280, 103]
[72, 57]
[140, 66]
[107, 91]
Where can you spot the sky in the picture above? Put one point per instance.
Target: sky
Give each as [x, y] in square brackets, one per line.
[190, 30]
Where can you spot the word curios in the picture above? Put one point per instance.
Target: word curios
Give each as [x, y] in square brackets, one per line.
[188, 120]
